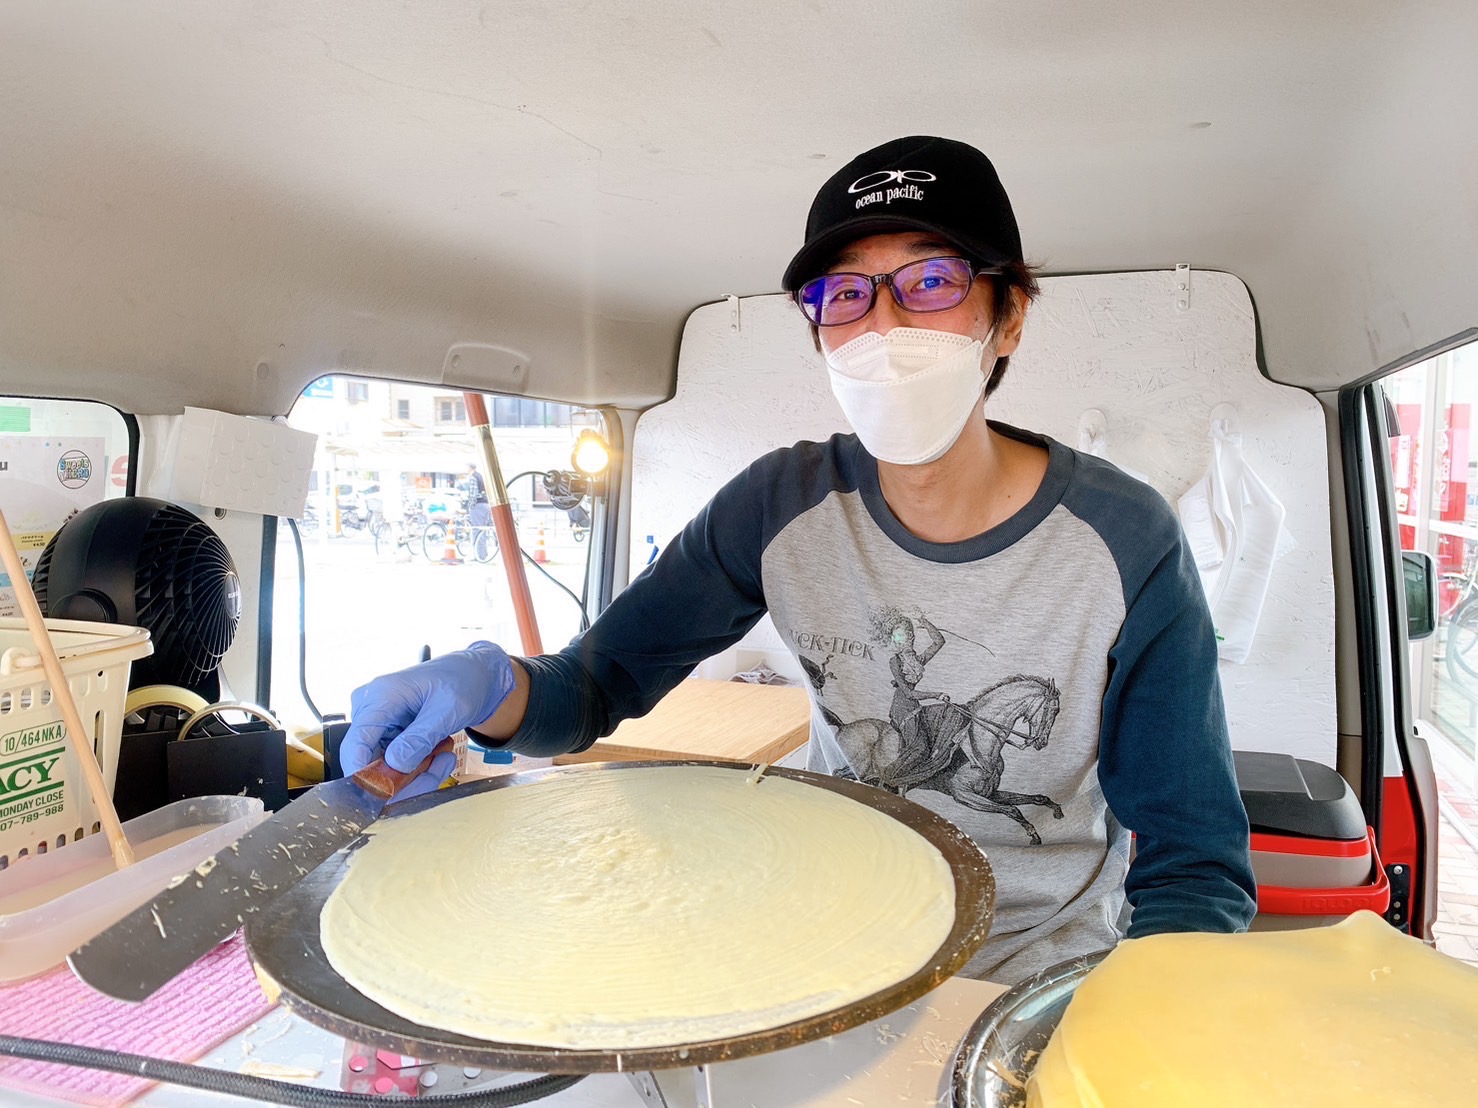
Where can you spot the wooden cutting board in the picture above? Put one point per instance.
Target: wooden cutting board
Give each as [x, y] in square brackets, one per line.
[717, 720]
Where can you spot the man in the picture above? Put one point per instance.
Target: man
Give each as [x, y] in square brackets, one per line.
[1067, 694]
[478, 512]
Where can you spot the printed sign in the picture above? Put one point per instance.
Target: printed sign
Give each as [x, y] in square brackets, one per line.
[43, 483]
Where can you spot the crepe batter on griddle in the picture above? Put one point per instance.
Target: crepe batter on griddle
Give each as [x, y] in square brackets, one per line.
[641, 908]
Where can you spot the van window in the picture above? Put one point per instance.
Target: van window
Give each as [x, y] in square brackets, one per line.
[398, 556]
[1434, 474]
[56, 458]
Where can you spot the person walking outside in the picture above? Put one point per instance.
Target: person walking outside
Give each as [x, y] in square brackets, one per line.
[479, 513]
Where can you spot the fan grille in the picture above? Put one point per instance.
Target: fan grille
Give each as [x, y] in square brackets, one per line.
[185, 592]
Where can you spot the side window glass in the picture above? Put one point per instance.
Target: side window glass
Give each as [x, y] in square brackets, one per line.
[1434, 474]
[57, 457]
[399, 551]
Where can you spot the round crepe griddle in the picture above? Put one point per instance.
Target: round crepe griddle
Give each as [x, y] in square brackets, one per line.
[284, 943]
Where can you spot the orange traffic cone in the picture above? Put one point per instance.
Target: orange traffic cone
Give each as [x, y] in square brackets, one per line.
[449, 555]
[541, 553]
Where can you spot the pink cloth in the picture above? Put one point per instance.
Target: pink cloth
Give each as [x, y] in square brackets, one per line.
[197, 1011]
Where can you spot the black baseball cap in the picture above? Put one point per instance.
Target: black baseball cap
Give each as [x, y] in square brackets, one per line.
[915, 183]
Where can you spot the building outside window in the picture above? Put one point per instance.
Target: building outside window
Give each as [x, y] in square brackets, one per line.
[517, 411]
[389, 476]
[1434, 472]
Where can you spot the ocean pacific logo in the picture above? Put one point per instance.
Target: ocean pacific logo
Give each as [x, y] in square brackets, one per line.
[888, 185]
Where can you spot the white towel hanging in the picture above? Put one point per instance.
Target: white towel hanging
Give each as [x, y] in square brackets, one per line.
[1234, 524]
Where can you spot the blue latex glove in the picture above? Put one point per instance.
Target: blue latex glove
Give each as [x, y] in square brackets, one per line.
[403, 715]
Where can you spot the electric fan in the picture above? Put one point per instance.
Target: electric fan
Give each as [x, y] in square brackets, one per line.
[146, 563]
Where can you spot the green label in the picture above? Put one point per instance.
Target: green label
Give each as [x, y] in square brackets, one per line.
[48, 734]
[31, 786]
[31, 769]
[48, 801]
[29, 776]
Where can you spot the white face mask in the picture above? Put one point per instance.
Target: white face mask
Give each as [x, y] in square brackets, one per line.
[909, 393]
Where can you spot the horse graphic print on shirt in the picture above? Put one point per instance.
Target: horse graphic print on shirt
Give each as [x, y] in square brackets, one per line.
[933, 740]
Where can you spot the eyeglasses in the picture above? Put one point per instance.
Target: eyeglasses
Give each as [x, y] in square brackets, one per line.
[932, 285]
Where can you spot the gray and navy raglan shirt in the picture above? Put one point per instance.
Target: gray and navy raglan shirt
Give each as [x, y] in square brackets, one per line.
[1050, 686]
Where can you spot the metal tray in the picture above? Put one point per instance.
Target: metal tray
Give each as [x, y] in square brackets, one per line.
[1010, 1035]
[284, 943]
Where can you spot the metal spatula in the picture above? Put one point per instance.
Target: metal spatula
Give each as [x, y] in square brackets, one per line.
[155, 943]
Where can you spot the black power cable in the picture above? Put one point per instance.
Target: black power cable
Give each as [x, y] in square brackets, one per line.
[262, 1088]
[303, 622]
[557, 494]
[584, 616]
[580, 602]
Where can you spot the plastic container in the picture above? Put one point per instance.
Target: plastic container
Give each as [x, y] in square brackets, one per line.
[44, 800]
[1313, 856]
[51, 904]
[1283, 907]
[1294, 862]
[1285, 795]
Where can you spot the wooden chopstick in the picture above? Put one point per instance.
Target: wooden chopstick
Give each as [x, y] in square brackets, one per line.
[61, 694]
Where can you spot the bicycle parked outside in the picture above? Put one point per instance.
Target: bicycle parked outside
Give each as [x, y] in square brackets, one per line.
[1458, 593]
[472, 543]
[409, 532]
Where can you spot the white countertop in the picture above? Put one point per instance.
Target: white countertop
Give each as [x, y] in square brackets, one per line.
[901, 1060]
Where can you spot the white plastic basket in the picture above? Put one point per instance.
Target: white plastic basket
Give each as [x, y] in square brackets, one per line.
[44, 800]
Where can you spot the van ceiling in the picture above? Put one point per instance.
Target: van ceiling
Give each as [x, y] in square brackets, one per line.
[213, 204]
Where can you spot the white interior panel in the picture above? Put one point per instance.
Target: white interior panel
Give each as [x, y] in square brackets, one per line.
[1116, 343]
